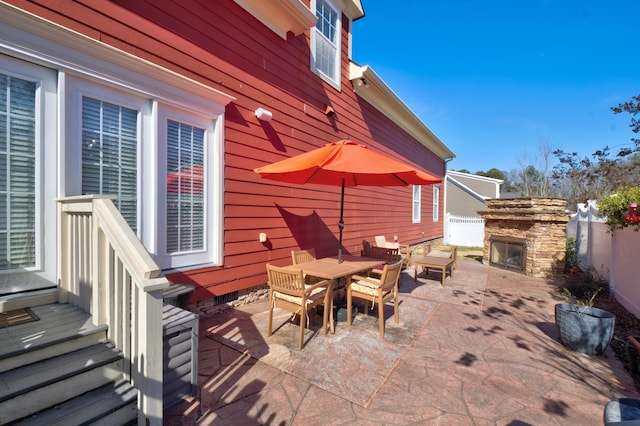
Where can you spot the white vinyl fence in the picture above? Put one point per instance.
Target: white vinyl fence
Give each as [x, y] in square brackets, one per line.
[613, 256]
[463, 231]
[590, 232]
[624, 280]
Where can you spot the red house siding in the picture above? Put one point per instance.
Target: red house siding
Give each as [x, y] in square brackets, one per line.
[221, 45]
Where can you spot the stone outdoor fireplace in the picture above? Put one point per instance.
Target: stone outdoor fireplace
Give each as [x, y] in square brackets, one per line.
[526, 235]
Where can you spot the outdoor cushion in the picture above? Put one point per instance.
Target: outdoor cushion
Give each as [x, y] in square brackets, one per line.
[439, 253]
[366, 287]
[315, 294]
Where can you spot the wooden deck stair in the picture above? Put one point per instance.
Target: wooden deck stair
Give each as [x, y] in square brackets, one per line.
[62, 370]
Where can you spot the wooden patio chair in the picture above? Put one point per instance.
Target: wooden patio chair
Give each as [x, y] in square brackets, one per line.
[305, 256]
[387, 255]
[378, 291]
[366, 249]
[287, 290]
[403, 249]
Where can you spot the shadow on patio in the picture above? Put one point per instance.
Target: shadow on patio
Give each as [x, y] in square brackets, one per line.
[482, 350]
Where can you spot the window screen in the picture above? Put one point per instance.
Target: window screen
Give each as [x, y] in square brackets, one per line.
[17, 173]
[109, 154]
[185, 187]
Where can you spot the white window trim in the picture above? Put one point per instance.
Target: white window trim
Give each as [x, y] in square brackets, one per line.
[151, 158]
[45, 156]
[212, 185]
[74, 55]
[338, 65]
[436, 203]
[75, 89]
[416, 209]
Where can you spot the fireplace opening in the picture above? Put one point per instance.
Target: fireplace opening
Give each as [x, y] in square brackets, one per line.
[508, 254]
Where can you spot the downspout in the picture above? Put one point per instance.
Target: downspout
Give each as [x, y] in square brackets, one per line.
[444, 200]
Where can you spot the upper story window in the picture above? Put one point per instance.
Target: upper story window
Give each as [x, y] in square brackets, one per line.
[436, 202]
[417, 204]
[325, 42]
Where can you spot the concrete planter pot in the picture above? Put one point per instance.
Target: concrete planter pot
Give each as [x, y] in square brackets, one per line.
[584, 329]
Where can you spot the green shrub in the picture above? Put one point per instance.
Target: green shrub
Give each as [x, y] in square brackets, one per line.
[615, 207]
[571, 256]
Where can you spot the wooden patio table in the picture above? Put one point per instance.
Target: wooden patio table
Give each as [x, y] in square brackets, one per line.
[433, 262]
[328, 268]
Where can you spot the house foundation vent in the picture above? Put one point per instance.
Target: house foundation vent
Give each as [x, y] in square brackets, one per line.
[225, 298]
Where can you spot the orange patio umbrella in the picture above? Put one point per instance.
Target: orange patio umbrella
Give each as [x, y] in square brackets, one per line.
[345, 163]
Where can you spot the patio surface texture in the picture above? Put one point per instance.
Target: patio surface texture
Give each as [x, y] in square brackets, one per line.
[483, 350]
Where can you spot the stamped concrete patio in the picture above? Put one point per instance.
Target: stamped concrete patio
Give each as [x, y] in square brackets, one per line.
[481, 351]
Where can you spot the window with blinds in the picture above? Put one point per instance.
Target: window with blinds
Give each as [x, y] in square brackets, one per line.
[109, 154]
[436, 203]
[327, 40]
[417, 203]
[185, 187]
[17, 173]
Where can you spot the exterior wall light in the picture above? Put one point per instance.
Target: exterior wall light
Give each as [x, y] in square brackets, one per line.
[263, 114]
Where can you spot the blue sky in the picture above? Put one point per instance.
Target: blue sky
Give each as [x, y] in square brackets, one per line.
[493, 78]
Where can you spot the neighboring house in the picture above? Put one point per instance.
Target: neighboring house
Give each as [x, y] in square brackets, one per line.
[169, 106]
[465, 194]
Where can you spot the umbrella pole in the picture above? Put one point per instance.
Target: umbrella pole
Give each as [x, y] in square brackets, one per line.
[341, 223]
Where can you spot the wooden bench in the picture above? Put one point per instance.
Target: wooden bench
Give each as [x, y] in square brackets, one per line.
[434, 262]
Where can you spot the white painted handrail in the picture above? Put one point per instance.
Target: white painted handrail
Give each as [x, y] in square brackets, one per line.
[105, 270]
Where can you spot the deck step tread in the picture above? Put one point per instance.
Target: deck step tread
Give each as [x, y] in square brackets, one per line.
[103, 405]
[57, 323]
[9, 302]
[56, 393]
[39, 374]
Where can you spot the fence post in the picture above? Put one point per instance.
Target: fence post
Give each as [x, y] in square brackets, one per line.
[447, 227]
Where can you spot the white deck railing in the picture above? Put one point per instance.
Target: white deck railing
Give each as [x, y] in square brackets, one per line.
[106, 271]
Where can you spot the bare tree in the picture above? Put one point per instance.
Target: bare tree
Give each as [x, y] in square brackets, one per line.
[581, 178]
[545, 155]
[533, 178]
[588, 178]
